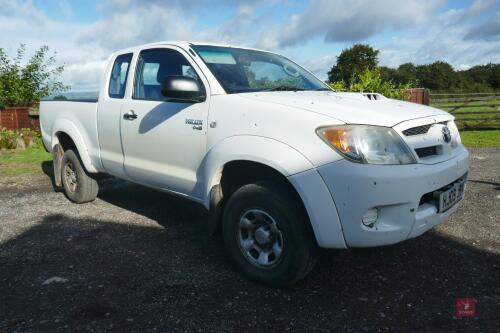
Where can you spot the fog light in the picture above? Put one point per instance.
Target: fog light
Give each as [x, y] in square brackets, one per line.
[370, 217]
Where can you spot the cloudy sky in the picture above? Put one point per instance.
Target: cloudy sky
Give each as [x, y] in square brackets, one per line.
[84, 32]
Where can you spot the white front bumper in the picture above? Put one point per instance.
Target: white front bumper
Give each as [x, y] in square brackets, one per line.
[395, 190]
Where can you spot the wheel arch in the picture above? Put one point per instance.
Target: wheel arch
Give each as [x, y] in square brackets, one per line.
[241, 160]
[67, 136]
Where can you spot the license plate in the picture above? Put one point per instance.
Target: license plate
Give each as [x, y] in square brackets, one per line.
[451, 196]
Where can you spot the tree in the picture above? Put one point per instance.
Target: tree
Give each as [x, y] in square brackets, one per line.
[371, 80]
[486, 74]
[23, 85]
[353, 61]
[406, 73]
[388, 74]
[437, 76]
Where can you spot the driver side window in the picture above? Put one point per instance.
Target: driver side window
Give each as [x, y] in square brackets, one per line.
[153, 66]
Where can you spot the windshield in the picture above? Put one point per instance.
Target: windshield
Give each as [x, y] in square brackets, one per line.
[240, 70]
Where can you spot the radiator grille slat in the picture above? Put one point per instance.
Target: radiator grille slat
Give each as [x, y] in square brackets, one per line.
[417, 130]
[421, 129]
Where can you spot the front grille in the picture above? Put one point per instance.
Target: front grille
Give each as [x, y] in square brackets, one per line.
[421, 129]
[417, 130]
[426, 151]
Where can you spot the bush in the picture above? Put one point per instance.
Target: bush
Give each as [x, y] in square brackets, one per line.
[370, 80]
[7, 139]
[10, 139]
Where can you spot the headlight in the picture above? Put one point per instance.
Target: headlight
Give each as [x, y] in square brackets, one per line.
[455, 134]
[367, 144]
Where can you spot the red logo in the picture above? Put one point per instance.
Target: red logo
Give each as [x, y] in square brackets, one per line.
[465, 307]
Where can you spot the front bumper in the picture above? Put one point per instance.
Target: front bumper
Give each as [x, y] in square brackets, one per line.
[338, 194]
[396, 191]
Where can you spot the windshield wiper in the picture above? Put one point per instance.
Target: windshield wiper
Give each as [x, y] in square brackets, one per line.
[284, 88]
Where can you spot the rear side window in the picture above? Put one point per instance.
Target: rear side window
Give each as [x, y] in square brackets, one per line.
[119, 73]
[153, 66]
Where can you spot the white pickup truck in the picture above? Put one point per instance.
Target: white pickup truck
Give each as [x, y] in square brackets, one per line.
[283, 163]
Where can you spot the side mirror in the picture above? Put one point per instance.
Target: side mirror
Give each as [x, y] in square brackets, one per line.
[183, 89]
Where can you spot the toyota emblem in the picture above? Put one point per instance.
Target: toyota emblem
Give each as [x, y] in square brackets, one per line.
[446, 134]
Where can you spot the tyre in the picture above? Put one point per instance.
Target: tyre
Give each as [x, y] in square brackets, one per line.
[267, 234]
[79, 187]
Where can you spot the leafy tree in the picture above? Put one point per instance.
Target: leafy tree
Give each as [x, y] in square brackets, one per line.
[485, 74]
[353, 61]
[406, 73]
[437, 76]
[371, 80]
[441, 77]
[388, 74]
[23, 85]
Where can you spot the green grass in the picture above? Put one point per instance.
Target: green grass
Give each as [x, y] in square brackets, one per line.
[475, 139]
[21, 162]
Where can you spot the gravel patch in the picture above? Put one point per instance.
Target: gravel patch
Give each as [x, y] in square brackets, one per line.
[141, 260]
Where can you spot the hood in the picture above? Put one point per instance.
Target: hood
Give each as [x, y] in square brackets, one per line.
[351, 108]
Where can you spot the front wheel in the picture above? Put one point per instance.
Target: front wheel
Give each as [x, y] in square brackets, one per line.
[78, 185]
[267, 234]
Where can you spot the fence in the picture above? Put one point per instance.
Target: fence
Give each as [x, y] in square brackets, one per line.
[14, 118]
[472, 111]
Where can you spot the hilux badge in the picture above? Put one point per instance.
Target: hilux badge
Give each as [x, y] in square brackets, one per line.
[197, 123]
[446, 134]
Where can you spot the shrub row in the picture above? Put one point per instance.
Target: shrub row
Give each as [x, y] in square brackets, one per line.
[19, 139]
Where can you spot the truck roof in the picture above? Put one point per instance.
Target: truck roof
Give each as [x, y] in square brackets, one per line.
[183, 44]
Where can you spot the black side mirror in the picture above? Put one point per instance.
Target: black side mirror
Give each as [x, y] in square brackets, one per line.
[183, 89]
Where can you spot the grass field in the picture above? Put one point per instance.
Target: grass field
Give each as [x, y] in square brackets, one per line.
[20, 162]
[480, 139]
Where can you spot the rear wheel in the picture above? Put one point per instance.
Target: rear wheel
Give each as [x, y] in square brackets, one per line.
[267, 234]
[78, 185]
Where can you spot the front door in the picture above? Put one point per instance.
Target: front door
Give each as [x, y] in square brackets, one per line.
[164, 142]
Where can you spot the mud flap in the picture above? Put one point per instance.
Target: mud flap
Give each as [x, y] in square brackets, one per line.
[215, 212]
[57, 155]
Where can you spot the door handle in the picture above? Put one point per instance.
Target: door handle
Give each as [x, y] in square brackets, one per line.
[130, 116]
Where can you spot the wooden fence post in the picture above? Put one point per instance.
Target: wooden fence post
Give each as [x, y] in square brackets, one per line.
[418, 95]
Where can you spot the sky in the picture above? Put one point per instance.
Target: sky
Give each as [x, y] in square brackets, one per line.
[84, 32]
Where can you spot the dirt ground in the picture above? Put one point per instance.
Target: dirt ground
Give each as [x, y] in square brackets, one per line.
[140, 260]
